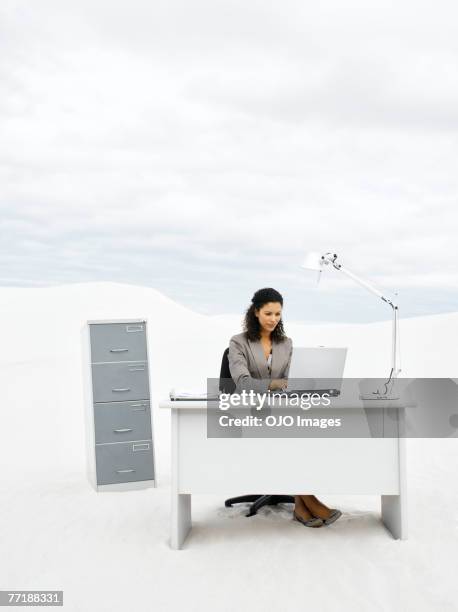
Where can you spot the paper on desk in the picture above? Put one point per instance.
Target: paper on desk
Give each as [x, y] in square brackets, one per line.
[191, 394]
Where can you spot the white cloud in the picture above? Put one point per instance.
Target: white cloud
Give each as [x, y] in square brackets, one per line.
[215, 142]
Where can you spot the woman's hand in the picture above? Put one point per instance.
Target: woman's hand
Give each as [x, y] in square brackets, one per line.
[278, 383]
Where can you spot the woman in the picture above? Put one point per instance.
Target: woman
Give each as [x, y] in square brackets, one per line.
[259, 359]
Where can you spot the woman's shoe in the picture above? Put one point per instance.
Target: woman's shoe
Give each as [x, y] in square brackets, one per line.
[313, 522]
[335, 514]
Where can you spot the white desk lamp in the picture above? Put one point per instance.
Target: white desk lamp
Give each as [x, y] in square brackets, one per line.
[316, 261]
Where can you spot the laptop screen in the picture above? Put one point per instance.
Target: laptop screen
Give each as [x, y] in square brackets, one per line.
[317, 367]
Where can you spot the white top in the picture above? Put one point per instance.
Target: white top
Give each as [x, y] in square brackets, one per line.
[269, 362]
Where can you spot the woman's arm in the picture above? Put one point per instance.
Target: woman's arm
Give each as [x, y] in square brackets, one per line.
[240, 373]
[288, 364]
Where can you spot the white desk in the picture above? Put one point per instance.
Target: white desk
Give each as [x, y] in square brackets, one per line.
[358, 466]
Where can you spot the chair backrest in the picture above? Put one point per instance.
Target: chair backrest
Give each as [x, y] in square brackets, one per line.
[226, 384]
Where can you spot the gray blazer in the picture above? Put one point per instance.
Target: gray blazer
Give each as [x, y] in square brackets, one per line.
[248, 365]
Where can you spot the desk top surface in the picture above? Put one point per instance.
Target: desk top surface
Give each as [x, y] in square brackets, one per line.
[336, 404]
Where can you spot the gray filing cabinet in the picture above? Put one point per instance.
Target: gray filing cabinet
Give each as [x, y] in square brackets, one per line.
[119, 432]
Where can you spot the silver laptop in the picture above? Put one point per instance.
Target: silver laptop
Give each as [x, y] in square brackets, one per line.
[316, 370]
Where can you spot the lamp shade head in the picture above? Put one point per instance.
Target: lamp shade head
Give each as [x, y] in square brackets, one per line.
[313, 261]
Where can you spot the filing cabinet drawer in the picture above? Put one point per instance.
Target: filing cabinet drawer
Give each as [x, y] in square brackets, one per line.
[124, 462]
[118, 342]
[120, 381]
[120, 421]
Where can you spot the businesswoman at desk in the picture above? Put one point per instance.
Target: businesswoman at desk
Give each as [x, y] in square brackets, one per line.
[259, 359]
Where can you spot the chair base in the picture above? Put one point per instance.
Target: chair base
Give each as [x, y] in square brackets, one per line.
[258, 501]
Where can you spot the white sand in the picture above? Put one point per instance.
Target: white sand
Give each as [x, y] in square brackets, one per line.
[110, 551]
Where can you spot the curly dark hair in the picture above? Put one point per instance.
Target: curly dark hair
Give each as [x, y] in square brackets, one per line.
[251, 323]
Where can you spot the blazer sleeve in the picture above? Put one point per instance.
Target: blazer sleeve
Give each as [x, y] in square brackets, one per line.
[288, 363]
[239, 370]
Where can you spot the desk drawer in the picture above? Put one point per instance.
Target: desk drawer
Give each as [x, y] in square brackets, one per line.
[120, 421]
[120, 381]
[118, 342]
[124, 462]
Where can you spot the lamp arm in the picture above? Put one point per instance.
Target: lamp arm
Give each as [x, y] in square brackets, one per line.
[363, 283]
[331, 259]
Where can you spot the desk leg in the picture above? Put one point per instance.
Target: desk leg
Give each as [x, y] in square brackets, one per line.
[181, 519]
[181, 502]
[393, 516]
[394, 507]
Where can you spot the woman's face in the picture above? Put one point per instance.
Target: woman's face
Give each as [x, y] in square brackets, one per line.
[269, 315]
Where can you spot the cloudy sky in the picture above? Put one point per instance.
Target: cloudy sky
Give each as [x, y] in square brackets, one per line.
[203, 147]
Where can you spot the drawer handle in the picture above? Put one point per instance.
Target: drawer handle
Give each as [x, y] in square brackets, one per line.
[134, 369]
[128, 471]
[125, 389]
[122, 430]
[118, 350]
[142, 407]
[144, 446]
[134, 328]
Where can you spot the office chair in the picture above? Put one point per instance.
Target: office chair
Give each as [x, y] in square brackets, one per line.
[227, 385]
